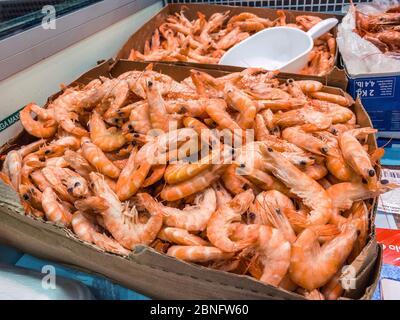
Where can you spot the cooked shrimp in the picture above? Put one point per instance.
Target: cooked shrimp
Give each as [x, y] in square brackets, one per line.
[85, 229]
[192, 186]
[273, 252]
[106, 139]
[218, 226]
[310, 85]
[159, 117]
[356, 156]
[128, 232]
[268, 209]
[242, 103]
[216, 109]
[181, 237]
[54, 210]
[310, 191]
[302, 139]
[131, 177]
[139, 119]
[198, 253]
[46, 128]
[334, 98]
[12, 168]
[98, 159]
[312, 265]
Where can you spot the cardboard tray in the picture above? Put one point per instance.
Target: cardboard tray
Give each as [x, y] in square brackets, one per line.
[336, 77]
[145, 270]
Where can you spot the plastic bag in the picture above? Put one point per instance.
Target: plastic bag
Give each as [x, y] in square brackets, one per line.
[359, 55]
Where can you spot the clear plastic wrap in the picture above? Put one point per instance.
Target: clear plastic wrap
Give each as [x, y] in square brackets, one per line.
[359, 55]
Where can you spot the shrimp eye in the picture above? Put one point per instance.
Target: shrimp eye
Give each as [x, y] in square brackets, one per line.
[371, 172]
[26, 197]
[384, 181]
[252, 216]
[364, 181]
[334, 131]
[278, 211]
[289, 81]
[136, 135]
[275, 129]
[303, 162]
[130, 127]
[242, 165]
[324, 150]
[70, 190]
[77, 184]
[270, 149]
[48, 151]
[182, 110]
[150, 83]
[120, 113]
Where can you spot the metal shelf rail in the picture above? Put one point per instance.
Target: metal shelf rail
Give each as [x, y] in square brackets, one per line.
[335, 6]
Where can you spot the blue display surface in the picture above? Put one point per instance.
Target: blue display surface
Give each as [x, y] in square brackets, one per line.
[100, 287]
[380, 96]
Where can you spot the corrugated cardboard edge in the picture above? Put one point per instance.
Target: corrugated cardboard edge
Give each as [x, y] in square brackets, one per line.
[336, 77]
[147, 271]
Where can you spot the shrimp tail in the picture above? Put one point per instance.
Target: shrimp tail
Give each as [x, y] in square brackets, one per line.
[327, 230]
[296, 219]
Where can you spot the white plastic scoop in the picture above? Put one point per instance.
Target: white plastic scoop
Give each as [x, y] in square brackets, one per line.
[279, 48]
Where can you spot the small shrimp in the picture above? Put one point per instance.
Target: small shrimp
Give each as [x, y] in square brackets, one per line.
[316, 171]
[305, 140]
[356, 156]
[91, 204]
[312, 265]
[334, 98]
[344, 194]
[234, 182]
[128, 232]
[192, 218]
[198, 253]
[310, 85]
[98, 159]
[310, 191]
[78, 163]
[139, 120]
[159, 116]
[336, 164]
[273, 252]
[242, 103]
[39, 180]
[12, 168]
[181, 237]
[131, 177]
[261, 131]
[76, 185]
[106, 139]
[268, 209]
[54, 210]
[281, 104]
[194, 185]
[85, 229]
[302, 116]
[37, 128]
[218, 227]
[157, 172]
[216, 109]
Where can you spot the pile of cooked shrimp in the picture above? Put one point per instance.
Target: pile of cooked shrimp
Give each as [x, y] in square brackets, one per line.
[206, 41]
[241, 173]
[382, 29]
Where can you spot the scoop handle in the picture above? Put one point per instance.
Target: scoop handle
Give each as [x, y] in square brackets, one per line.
[322, 27]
